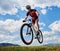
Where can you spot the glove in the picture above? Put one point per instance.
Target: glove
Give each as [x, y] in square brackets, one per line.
[24, 20]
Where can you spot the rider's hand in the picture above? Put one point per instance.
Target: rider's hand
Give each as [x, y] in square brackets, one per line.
[24, 20]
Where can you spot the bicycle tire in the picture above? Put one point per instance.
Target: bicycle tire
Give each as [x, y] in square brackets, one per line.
[41, 36]
[21, 33]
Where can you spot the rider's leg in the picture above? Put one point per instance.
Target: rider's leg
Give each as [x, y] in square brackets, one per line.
[36, 22]
[33, 23]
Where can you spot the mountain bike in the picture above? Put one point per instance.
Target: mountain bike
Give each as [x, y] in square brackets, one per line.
[28, 32]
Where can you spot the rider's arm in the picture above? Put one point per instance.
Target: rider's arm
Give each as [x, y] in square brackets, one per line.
[26, 17]
[37, 13]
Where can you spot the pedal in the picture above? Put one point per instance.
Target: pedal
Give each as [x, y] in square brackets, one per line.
[28, 33]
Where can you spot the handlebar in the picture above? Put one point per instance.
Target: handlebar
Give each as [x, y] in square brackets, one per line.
[26, 20]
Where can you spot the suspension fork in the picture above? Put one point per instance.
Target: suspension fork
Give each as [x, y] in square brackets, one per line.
[28, 30]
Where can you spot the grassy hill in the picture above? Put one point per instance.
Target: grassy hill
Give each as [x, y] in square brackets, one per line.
[7, 44]
[30, 48]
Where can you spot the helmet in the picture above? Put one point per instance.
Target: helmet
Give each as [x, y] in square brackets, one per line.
[28, 6]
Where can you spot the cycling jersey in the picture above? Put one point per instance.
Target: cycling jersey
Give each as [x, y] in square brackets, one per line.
[32, 13]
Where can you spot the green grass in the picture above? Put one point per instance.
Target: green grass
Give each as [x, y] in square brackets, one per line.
[31, 48]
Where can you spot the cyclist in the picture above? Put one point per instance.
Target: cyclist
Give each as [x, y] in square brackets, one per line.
[34, 14]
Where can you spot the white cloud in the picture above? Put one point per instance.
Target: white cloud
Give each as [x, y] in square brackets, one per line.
[11, 25]
[50, 8]
[4, 36]
[8, 37]
[10, 31]
[11, 6]
[42, 25]
[50, 37]
[7, 7]
[13, 38]
[43, 11]
[55, 26]
[53, 35]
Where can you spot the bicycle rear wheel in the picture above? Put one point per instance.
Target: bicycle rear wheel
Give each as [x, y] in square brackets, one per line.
[40, 37]
[26, 34]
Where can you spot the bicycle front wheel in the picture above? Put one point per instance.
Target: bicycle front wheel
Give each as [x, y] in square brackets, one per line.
[26, 34]
[40, 37]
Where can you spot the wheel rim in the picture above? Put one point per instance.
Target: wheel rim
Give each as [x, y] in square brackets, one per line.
[26, 36]
[40, 37]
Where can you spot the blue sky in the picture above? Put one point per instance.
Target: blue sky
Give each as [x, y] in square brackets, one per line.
[13, 12]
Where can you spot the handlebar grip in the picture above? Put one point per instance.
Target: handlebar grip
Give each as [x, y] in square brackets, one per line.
[24, 21]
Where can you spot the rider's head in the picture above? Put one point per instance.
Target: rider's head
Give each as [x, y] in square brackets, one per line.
[28, 7]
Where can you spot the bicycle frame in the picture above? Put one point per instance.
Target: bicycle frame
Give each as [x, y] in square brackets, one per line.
[32, 26]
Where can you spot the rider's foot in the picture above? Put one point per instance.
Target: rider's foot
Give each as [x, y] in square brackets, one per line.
[36, 37]
[37, 32]
[28, 33]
